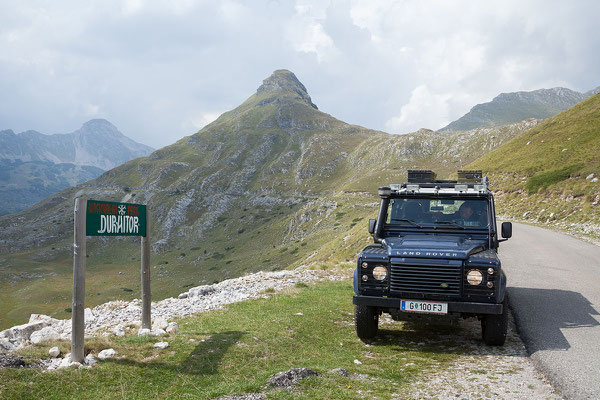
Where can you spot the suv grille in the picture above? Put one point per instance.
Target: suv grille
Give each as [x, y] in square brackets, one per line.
[426, 277]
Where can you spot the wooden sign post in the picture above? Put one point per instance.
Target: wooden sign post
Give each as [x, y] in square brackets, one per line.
[105, 218]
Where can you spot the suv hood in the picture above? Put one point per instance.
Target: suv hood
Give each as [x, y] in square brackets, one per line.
[427, 246]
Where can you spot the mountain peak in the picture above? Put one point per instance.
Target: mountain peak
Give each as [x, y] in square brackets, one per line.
[283, 81]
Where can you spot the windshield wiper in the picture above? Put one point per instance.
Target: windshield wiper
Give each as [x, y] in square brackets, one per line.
[410, 221]
[453, 223]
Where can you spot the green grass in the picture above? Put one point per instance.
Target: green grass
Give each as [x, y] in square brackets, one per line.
[236, 350]
[542, 180]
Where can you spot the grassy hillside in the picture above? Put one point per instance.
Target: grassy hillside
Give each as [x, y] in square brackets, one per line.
[509, 108]
[274, 183]
[540, 176]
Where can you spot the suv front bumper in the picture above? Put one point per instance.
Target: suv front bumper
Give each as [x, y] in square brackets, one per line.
[453, 306]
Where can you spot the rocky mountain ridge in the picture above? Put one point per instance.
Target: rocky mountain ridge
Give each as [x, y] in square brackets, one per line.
[34, 166]
[507, 108]
[98, 143]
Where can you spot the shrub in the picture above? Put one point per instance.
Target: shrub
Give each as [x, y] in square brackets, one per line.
[544, 179]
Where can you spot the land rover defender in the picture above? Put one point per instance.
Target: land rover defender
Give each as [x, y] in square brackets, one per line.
[434, 256]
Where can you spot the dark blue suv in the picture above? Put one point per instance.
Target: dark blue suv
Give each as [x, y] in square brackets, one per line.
[435, 256]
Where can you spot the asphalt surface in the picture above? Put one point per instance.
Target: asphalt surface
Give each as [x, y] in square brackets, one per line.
[554, 292]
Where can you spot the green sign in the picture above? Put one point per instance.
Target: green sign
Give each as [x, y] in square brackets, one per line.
[107, 218]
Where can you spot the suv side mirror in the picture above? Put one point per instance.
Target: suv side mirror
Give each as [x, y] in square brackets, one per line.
[506, 230]
[372, 223]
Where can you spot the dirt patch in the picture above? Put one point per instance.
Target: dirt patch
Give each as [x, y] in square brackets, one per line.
[10, 360]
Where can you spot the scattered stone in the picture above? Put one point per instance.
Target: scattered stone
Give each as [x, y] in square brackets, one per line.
[66, 362]
[120, 272]
[172, 327]
[90, 360]
[595, 180]
[160, 323]
[6, 345]
[119, 330]
[89, 315]
[357, 362]
[47, 333]
[144, 332]
[290, 377]
[161, 345]
[54, 352]
[590, 176]
[184, 295]
[526, 214]
[250, 396]
[340, 371]
[107, 353]
[298, 313]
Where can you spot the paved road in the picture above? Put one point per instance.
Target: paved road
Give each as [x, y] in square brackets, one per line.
[554, 291]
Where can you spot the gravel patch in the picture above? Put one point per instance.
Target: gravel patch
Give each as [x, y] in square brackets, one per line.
[485, 372]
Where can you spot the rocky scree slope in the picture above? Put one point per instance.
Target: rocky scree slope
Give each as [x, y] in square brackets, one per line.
[509, 108]
[550, 174]
[271, 184]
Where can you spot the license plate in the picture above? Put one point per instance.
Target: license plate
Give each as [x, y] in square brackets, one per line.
[424, 307]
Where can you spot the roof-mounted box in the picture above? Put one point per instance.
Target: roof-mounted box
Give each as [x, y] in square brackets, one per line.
[421, 176]
[470, 176]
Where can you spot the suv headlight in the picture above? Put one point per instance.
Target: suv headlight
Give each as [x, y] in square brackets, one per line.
[474, 277]
[380, 273]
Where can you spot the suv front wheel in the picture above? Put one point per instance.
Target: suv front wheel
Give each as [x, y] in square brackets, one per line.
[494, 327]
[366, 320]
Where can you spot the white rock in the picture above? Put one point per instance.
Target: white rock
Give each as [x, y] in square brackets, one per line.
[161, 345]
[90, 360]
[106, 353]
[65, 362]
[144, 332]
[357, 362]
[19, 335]
[160, 323]
[89, 315]
[172, 327]
[595, 180]
[41, 317]
[184, 295]
[158, 332]
[119, 330]
[6, 345]
[47, 333]
[590, 176]
[526, 214]
[54, 352]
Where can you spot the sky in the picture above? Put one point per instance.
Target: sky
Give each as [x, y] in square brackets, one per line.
[161, 70]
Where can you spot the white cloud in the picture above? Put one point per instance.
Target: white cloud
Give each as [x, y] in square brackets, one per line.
[306, 33]
[194, 124]
[424, 110]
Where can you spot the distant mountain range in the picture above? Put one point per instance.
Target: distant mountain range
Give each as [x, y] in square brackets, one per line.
[34, 166]
[509, 108]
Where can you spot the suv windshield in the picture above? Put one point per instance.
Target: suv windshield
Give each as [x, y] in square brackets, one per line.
[452, 212]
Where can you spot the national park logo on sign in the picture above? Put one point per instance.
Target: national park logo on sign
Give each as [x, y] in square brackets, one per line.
[106, 218]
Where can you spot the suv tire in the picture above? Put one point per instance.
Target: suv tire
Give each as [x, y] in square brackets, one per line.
[494, 327]
[366, 320]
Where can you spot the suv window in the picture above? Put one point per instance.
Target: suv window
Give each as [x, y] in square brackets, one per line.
[464, 212]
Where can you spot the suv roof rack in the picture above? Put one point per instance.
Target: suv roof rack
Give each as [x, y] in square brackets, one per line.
[469, 182]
